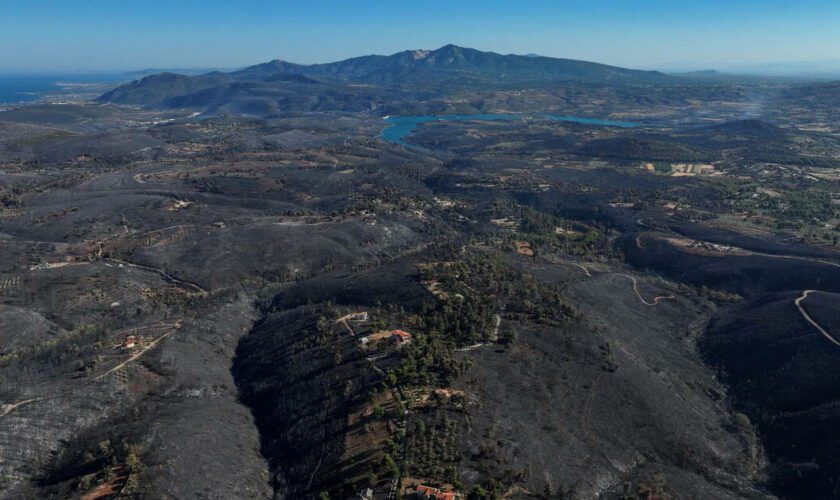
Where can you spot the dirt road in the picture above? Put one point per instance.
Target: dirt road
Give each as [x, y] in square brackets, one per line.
[798, 303]
[8, 408]
[346, 318]
[656, 300]
[137, 355]
[585, 270]
[497, 322]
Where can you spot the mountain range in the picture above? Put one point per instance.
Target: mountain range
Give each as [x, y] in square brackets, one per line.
[453, 61]
[449, 64]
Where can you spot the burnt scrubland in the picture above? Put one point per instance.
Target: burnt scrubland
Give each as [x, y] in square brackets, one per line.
[232, 286]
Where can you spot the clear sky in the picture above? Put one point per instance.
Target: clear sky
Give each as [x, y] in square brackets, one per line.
[61, 35]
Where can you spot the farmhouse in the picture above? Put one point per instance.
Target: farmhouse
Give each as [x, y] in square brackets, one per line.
[401, 336]
[427, 492]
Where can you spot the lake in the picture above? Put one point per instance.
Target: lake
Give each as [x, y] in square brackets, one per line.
[400, 127]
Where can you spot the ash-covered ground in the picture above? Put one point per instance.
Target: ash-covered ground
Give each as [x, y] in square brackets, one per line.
[287, 306]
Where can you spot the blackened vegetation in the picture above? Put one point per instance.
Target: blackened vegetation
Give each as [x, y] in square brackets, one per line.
[304, 377]
[75, 353]
[745, 275]
[644, 149]
[508, 348]
[301, 379]
[784, 375]
[96, 462]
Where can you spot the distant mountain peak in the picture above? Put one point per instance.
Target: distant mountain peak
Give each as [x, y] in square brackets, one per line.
[448, 64]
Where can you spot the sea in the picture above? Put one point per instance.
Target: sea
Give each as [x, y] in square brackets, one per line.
[16, 88]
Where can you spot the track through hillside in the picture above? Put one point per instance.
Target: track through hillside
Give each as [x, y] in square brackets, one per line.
[809, 319]
[656, 300]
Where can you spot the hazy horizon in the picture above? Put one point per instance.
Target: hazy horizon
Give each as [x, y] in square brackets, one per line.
[771, 37]
[825, 69]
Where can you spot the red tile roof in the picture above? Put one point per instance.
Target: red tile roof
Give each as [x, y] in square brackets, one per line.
[401, 334]
[436, 494]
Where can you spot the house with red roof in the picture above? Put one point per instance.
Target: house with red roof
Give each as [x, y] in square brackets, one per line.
[429, 493]
[401, 336]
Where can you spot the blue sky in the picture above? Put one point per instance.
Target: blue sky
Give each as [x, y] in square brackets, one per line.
[61, 35]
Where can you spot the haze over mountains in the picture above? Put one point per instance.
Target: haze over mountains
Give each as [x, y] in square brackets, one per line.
[411, 67]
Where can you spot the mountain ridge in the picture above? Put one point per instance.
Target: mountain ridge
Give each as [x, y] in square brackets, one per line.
[448, 65]
[479, 63]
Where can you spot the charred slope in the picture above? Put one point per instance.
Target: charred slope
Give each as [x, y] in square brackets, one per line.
[752, 274]
[616, 399]
[303, 376]
[300, 385]
[786, 376]
[781, 370]
[756, 140]
[645, 149]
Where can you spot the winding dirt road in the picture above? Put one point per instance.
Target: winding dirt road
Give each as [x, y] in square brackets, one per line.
[656, 300]
[798, 303]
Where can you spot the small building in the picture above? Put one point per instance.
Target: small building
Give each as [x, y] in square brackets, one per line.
[364, 340]
[401, 336]
[365, 494]
[129, 341]
[362, 316]
[427, 492]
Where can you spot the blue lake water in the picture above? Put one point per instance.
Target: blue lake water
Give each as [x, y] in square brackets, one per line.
[19, 87]
[592, 121]
[400, 127]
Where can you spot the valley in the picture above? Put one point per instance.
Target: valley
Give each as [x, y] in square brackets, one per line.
[548, 285]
